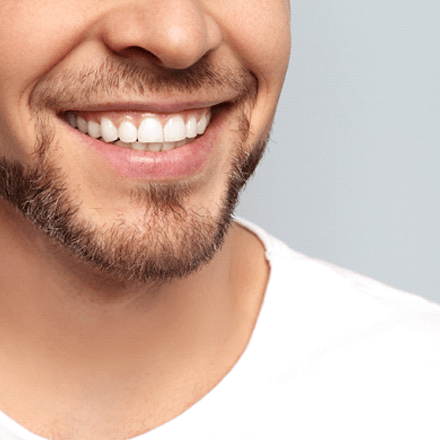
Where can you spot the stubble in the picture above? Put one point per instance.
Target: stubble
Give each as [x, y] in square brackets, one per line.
[172, 241]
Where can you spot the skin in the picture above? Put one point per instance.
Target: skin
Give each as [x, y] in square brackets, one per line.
[115, 359]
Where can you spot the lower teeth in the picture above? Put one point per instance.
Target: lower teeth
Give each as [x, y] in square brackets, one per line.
[142, 146]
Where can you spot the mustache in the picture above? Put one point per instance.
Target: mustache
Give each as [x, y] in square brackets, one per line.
[116, 77]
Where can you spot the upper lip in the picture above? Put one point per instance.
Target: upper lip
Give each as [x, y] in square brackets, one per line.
[150, 107]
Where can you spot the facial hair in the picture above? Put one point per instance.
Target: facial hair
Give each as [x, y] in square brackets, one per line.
[173, 240]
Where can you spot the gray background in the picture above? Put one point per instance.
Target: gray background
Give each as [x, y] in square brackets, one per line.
[352, 172]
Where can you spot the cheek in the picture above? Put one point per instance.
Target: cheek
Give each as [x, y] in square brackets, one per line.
[34, 36]
[259, 33]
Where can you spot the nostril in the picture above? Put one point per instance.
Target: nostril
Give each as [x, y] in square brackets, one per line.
[136, 51]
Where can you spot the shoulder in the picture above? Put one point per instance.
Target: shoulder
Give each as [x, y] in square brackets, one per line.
[316, 308]
[340, 346]
[302, 281]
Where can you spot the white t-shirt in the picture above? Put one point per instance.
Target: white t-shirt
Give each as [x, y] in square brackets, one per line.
[334, 355]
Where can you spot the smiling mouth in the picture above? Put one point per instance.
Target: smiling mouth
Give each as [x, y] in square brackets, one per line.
[142, 131]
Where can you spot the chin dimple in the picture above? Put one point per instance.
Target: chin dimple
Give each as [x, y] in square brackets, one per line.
[149, 135]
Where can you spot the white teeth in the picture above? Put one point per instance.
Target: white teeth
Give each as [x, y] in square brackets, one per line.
[150, 136]
[150, 131]
[157, 146]
[82, 124]
[174, 129]
[128, 132]
[94, 129]
[201, 125]
[109, 131]
[191, 127]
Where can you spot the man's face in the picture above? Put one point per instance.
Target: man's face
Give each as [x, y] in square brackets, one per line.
[172, 101]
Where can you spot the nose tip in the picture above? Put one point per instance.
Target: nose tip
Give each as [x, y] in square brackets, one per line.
[174, 34]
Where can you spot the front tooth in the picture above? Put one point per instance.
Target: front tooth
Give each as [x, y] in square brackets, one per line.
[174, 129]
[109, 131]
[150, 131]
[191, 127]
[201, 125]
[94, 129]
[82, 124]
[127, 132]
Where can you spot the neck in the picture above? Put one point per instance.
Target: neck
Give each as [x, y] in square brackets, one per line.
[45, 288]
[77, 327]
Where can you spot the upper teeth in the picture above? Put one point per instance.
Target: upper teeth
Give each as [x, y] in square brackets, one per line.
[150, 129]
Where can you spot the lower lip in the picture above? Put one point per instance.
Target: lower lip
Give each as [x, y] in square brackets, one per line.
[178, 163]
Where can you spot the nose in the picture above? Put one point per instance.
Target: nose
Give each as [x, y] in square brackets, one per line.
[173, 33]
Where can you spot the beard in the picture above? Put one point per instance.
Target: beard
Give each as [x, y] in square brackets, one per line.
[172, 241]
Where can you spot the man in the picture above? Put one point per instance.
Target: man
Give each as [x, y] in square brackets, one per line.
[132, 303]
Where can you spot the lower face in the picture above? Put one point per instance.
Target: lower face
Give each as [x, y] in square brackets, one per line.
[127, 211]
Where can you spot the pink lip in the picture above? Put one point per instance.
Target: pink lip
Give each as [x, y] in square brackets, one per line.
[178, 163]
